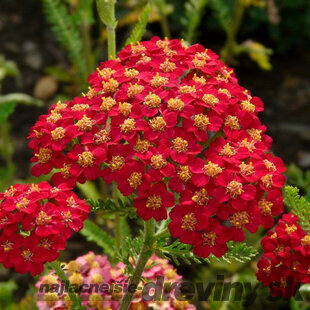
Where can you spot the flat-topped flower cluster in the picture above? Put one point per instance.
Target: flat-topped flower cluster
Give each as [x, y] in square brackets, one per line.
[170, 124]
[35, 222]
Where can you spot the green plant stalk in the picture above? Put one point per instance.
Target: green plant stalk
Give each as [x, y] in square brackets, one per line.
[229, 49]
[145, 254]
[87, 46]
[117, 219]
[111, 29]
[55, 265]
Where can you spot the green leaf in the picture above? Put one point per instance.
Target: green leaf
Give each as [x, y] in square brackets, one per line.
[67, 34]
[94, 233]
[131, 248]
[298, 205]
[223, 10]
[240, 252]
[103, 11]
[179, 252]
[110, 206]
[140, 27]
[21, 99]
[193, 13]
[6, 109]
[7, 68]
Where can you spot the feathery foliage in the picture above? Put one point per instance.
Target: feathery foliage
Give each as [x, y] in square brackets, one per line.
[110, 206]
[94, 233]
[298, 205]
[67, 35]
[193, 14]
[179, 252]
[223, 10]
[140, 27]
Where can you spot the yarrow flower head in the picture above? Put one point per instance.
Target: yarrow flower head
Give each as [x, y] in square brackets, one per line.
[169, 122]
[102, 287]
[35, 222]
[285, 264]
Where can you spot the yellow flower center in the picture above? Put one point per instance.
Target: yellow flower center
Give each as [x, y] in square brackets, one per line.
[201, 121]
[158, 81]
[232, 122]
[43, 219]
[44, 156]
[154, 202]
[117, 163]
[110, 86]
[135, 180]
[228, 150]
[142, 146]
[85, 123]
[124, 108]
[128, 126]
[58, 133]
[234, 189]
[184, 173]
[134, 89]
[189, 222]
[210, 99]
[157, 162]
[239, 219]
[201, 197]
[265, 206]
[246, 169]
[180, 145]
[86, 159]
[211, 169]
[167, 66]
[101, 136]
[107, 104]
[157, 123]
[209, 238]
[152, 101]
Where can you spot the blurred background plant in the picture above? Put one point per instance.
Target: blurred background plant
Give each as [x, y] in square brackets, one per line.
[57, 43]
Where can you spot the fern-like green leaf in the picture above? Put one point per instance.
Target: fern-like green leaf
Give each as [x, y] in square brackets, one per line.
[179, 252]
[110, 206]
[140, 27]
[193, 13]
[240, 252]
[298, 205]
[223, 10]
[67, 34]
[94, 233]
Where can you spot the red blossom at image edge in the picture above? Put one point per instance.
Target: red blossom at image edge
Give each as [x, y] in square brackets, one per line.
[36, 220]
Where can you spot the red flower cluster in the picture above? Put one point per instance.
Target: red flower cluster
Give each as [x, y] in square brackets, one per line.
[286, 262]
[35, 222]
[169, 123]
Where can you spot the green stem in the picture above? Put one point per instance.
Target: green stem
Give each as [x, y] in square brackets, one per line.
[117, 231]
[117, 219]
[165, 26]
[145, 253]
[76, 303]
[111, 29]
[87, 46]
[163, 233]
[229, 49]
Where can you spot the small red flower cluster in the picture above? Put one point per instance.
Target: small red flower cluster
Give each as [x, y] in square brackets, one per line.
[169, 123]
[102, 287]
[35, 222]
[286, 262]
